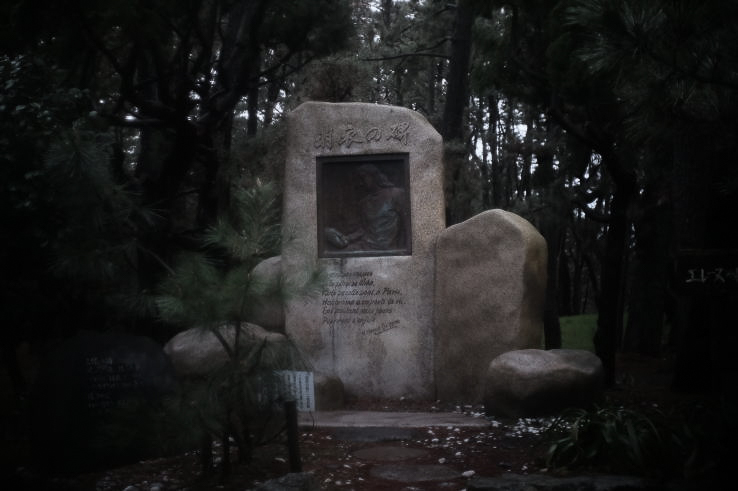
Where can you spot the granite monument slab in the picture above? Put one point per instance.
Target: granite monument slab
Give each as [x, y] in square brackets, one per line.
[363, 200]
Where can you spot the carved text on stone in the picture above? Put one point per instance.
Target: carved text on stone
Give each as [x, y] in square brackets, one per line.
[352, 300]
[348, 135]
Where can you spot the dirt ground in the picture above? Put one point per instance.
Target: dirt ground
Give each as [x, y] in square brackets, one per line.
[506, 445]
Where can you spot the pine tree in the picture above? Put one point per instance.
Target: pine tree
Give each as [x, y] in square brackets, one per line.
[213, 289]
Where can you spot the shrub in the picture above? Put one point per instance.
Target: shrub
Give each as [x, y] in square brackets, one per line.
[690, 440]
[608, 438]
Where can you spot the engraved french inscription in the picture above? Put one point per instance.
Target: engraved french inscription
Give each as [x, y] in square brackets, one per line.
[353, 301]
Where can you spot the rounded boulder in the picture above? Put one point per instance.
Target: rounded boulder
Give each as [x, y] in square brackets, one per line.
[329, 393]
[199, 352]
[268, 312]
[533, 382]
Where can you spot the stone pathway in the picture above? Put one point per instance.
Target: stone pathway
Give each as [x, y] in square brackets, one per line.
[405, 466]
[387, 465]
[392, 462]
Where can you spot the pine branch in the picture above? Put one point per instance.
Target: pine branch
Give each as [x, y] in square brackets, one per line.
[420, 52]
[408, 55]
[157, 258]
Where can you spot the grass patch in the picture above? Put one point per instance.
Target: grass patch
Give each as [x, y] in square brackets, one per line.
[577, 331]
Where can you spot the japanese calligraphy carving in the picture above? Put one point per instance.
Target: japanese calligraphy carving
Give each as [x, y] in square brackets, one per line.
[350, 135]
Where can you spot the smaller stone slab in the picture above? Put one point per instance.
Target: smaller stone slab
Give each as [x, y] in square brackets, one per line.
[375, 434]
[535, 382]
[490, 290]
[389, 453]
[413, 473]
[387, 419]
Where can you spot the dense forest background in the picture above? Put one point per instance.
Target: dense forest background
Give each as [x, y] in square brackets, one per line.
[129, 128]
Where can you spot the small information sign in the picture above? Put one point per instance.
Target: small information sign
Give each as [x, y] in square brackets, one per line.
[300, 386]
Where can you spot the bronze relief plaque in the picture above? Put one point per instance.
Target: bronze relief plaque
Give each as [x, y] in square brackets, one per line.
[364, 206]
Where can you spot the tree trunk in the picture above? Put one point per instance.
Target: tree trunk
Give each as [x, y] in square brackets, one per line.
[452, 123]
[565, 296]
[551, 326]
[431, 89]
[495, 167]
[578, 285]
[484, 166]
[553, 229]
[387, 12]
[252, 123]
[273, 89]
[458, 74]
[584, 252]
[525, 184]
[206, 453]
[399, 90]
[165, 158]
[609, 321]
[650, 274]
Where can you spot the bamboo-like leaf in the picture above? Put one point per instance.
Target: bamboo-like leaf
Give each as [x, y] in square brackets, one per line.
[634, 444]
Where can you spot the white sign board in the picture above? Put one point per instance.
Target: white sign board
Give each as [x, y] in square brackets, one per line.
[298, 386]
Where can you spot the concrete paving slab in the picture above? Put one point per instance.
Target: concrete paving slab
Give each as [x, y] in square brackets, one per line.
[389, 453]
[413, 473]
[376, 434]
[387, 419]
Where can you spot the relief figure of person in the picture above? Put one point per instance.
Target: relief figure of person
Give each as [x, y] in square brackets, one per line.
[382, 215]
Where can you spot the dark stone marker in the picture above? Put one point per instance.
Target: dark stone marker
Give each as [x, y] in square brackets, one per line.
[363, 206]
[705, 288]
[96, 399]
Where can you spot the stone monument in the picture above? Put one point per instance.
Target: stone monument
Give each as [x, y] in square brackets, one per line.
[364, 201]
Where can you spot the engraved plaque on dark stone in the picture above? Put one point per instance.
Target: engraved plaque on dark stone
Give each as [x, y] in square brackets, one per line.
[98, 400]
[364, 206]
